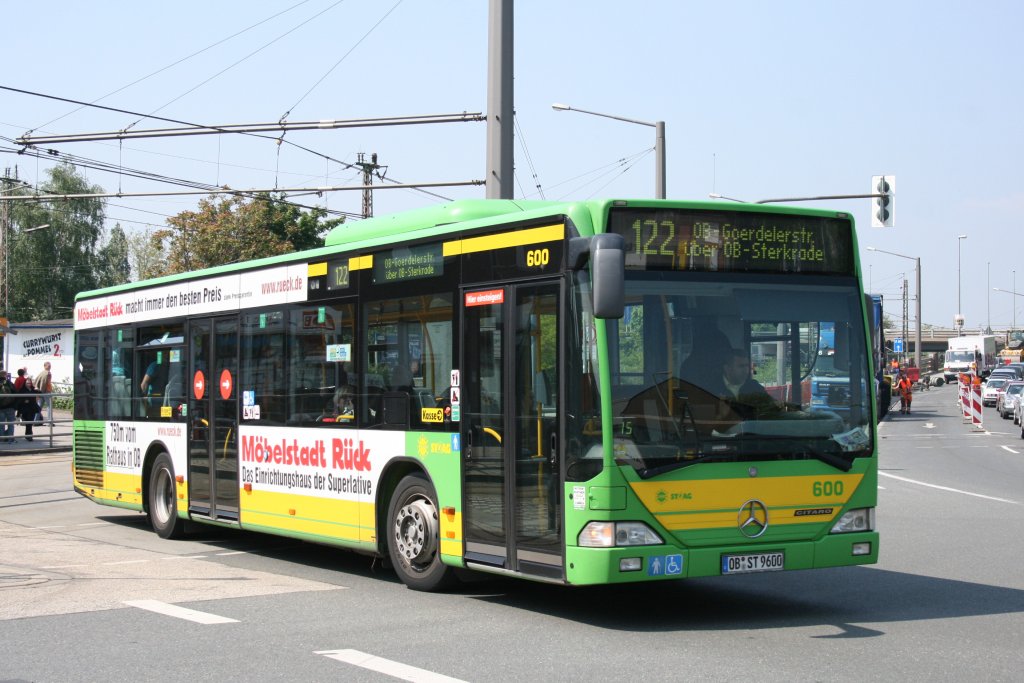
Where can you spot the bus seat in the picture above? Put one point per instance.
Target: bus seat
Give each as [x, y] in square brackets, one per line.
[395, 408]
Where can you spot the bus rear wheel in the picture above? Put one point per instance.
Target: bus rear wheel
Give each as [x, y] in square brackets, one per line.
[163, 499]
[413, 529]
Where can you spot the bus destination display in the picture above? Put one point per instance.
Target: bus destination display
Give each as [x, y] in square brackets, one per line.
[673, 239]
[409, 263]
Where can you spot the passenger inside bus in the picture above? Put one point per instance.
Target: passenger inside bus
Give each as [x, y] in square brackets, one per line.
[341, 408]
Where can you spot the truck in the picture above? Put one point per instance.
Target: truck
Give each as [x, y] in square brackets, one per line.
[973, 353]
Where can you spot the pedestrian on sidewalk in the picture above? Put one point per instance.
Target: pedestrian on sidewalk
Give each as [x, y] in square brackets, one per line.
[44, 385]
[28, 406]
[8, 401]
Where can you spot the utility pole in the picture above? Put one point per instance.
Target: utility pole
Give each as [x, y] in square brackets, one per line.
[369, 170]
[906, 317]
[500, 101]
[5, 231]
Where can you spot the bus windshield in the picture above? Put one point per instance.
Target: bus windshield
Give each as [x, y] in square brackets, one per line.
[715, 367]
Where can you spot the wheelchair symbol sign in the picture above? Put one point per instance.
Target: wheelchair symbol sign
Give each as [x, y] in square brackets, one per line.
[665, 565]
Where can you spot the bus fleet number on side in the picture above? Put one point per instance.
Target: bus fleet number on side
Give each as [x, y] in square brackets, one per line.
[538, 258]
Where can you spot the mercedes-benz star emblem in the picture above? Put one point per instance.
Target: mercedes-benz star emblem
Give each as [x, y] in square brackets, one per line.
[753, 518]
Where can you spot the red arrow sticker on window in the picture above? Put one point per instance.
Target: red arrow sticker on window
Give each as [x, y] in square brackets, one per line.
[225, 384]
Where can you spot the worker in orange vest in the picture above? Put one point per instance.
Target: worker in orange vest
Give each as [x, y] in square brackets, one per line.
[906, 389]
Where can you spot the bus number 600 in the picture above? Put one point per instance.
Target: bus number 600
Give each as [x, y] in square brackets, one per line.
[537, 258]
[827, 488]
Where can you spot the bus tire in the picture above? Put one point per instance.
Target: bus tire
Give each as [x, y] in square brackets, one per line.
[414, 538]
[163, 499]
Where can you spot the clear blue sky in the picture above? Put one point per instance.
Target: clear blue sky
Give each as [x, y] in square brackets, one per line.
[760, 100]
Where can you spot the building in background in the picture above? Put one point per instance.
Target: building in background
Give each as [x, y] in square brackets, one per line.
[29, 345]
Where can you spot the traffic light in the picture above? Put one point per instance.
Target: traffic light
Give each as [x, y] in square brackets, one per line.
[883, 209]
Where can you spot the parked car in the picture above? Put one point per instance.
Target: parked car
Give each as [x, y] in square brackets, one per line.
[1018, 412]
[1008, 372]
[1006, 401]
[991, 389]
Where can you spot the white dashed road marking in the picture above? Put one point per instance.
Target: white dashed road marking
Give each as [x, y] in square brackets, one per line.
[179, 612]
[387, 667]
[946, 488]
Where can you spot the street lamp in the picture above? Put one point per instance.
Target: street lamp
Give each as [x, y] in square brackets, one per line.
[1010, 291]
[659, 143]
[959, 319]
[917, 277]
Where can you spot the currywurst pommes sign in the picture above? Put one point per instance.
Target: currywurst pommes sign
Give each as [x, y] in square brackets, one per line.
[708, 240]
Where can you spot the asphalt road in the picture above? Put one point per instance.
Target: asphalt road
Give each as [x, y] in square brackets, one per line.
[89, 593]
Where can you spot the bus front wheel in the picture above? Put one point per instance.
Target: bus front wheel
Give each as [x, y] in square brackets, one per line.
[414, 536]
[163, 499]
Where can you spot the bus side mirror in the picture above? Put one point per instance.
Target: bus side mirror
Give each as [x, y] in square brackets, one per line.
[608, 275]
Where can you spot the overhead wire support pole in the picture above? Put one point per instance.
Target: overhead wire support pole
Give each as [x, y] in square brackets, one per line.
[277, 126]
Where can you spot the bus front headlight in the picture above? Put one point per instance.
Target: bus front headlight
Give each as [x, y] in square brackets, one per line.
[617, 534]
[860, 519]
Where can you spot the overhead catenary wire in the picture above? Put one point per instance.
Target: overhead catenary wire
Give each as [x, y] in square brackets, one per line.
[343, 57]
[206, 188]
[601, 172]
[526, 155]
[228, 68]
[472, 116]
[172, 64]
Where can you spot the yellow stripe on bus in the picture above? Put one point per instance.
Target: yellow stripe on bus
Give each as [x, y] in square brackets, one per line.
[316, 269]
[709, 504]
[518, 238]
[345, 520]
[360, 262]
[117, 487]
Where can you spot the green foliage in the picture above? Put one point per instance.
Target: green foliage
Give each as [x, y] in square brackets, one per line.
[233, 229]
[113, 267]
[146, 255]
[48, 267]
[631, 341]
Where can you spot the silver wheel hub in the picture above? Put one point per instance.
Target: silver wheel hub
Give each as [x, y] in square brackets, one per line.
[415, 531]
[164, 497]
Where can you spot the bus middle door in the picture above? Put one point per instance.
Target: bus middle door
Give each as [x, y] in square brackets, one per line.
[213, 418]
[511, 424]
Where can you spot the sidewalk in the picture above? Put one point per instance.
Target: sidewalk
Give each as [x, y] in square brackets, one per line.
[45, 439]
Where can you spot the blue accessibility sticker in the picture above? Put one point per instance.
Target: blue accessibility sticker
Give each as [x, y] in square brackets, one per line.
[665, 565]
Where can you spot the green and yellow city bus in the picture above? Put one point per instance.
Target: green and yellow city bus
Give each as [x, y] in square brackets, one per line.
[526, 388]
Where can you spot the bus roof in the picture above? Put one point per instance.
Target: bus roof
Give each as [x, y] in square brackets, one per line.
[463, 214]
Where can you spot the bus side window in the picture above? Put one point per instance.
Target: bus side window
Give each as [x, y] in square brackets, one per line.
[408, 360]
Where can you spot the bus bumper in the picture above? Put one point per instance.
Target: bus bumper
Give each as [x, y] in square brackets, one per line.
[589, 566]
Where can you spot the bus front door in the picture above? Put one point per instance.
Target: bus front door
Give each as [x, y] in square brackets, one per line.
[213, 418]
[511, 423]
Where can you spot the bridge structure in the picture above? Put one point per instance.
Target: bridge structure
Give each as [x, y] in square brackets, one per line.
[936, 339]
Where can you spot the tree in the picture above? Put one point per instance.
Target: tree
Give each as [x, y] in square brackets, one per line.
[145, 254]
[114, 267]
[49, 266]
[232, 229]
